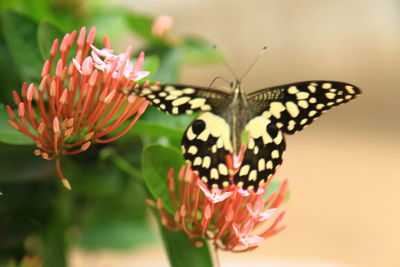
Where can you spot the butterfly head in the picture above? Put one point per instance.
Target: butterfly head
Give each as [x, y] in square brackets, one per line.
[237, 87]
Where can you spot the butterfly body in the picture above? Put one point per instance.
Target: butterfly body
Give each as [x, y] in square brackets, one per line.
[266, 115]
[237, 113]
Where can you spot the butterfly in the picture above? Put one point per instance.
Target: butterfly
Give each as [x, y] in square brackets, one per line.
[266, 115]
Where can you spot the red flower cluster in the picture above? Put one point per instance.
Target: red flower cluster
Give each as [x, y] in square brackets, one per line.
[232, 218]
[78, 103]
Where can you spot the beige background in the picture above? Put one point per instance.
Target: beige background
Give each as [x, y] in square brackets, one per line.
[343, 170]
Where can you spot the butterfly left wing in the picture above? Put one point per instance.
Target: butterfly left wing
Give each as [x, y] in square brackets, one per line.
[181, 99]
[263, 154]
[205, 145]
[293, 106]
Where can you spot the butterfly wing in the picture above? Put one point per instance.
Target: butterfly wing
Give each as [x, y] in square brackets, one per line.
[205, 145]
[263, 154]
[293, 106]
[181, 99]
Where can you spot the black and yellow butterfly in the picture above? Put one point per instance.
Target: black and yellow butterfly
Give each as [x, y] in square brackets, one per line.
[266, 115]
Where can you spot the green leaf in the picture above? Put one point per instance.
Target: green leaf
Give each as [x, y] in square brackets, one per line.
[20, 33]
[157, 130]
[46, 34]
[113, 211]
[198, 51]
[141, 24]
[156, 162]
[115, 233]
[9, 78]
[151, 63]
[8, 134]
[273, 187]
[107, 20]
[182, 253]
[179, 122]
[171, 61]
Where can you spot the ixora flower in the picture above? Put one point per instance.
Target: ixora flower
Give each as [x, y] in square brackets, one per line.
[80, 102]
[161, 25]
[232, 219]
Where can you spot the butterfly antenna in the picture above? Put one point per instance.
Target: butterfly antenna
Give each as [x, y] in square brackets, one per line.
[254, 62]
[216, 78]
[225, 63]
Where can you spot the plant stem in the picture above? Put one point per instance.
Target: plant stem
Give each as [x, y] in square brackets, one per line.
[217, 259]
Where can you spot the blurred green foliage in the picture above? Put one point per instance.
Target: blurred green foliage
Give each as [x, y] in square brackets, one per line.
[106, 208]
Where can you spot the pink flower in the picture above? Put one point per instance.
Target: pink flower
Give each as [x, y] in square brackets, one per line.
[256, 209]
[79, 103]
[161, 25]
[118, 65]
[225, 217]
[243, 235]
[216, 195]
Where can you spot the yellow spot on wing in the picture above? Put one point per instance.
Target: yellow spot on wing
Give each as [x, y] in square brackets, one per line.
[223, 169]
[326, 86]
[291, 125]
[197, 161]
[176, 93]
[180, 101]
[330, 95]
[292, 109]
[214, 173]
[292, 90]
[278, 139]
[350, 89]
[270, 165]
[276, 108]
[303, 104]
[275, 154]
[312, 88]
[188, 91]
[206, 162]
[244, 170]
[197, 102]
[302, 95]
[192, 150]
[261, 164]
[253, 175]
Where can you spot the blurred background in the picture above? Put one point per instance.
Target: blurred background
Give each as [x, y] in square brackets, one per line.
[344, 208]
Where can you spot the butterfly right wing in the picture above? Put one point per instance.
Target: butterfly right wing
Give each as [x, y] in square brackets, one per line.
[181, 99]
[293, 106]
[263, 154]
[205, 145]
